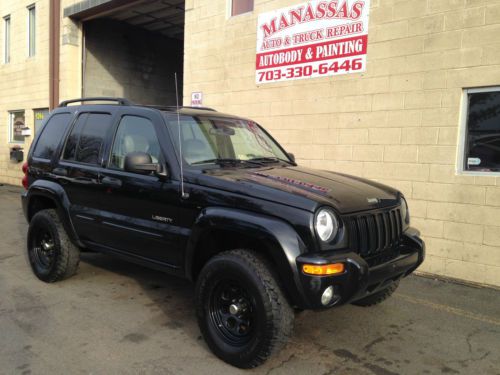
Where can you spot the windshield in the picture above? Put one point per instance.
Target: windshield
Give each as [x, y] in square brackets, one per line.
[214, 140]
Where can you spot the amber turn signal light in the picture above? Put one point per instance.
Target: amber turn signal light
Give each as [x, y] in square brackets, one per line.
[323, 270]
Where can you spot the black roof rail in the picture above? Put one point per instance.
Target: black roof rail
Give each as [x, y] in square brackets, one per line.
[200, 108]
[173, 107]
[120, 101]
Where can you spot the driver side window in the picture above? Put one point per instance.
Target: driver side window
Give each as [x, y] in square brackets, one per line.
[134, 134]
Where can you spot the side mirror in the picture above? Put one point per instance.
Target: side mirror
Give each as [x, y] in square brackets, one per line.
[291, 156]
[141, 163]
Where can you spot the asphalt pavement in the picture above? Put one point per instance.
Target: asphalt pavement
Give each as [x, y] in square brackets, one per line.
[118, 318]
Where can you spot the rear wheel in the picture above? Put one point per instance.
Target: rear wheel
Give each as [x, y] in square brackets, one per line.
[241, 310]
[378, 297]
[51, 253]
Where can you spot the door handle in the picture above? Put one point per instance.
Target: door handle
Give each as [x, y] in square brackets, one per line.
[111, 182]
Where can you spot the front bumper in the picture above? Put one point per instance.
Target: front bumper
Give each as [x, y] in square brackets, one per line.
[359, 279]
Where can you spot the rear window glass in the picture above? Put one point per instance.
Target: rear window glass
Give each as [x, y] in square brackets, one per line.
[85, 143]
[51, 135]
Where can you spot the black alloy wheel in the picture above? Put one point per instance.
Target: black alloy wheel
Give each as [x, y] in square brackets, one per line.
[241, 309]
[232, 312]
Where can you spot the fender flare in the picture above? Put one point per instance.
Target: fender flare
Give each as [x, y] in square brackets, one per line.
[284, 244]
[54, 192]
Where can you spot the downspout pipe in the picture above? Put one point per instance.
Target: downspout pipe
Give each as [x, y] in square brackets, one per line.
[54, 52]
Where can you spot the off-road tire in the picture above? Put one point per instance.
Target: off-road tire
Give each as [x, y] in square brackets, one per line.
[66, 255]
[378, 297]
[273, 323]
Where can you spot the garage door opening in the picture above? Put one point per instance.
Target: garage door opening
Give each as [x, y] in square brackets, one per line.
[134, 52]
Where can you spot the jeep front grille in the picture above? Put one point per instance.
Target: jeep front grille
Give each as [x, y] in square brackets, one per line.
[373, 233]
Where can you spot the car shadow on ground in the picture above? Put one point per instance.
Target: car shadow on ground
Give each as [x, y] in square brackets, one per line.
[172, 295]
[174, 298]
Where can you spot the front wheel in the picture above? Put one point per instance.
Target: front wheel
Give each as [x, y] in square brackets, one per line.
[242, 312]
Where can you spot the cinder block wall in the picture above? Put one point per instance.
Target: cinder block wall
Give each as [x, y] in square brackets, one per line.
[124, 61]
[397, 123]
[24, 82]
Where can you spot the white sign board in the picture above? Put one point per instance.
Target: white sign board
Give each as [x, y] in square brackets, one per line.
[196, 99]
[312, 39]
[26, 132]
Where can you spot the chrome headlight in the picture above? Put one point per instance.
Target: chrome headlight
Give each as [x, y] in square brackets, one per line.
[326, 224]
[405, 213]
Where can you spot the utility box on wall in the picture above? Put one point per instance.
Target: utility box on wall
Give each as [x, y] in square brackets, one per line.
[16, 154]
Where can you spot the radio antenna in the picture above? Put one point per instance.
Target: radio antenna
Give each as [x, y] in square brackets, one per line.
[184, 195]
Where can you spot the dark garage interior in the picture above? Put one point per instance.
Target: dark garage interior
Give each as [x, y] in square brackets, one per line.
[134, 52]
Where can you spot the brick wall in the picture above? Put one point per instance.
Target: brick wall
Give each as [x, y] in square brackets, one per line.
[124, 61]
[24, 82]
[397, 123]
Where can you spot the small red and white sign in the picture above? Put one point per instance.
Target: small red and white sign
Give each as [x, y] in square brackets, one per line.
[313, 39]
[196, 99]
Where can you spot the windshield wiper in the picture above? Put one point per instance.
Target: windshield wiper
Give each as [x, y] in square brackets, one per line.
[269, 159]
[222, 161]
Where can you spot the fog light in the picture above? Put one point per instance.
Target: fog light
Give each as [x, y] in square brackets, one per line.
[327, 296]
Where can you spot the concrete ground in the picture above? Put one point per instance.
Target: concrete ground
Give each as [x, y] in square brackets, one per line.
[118, 318]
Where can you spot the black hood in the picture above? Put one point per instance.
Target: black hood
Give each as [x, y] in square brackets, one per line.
[300, 187]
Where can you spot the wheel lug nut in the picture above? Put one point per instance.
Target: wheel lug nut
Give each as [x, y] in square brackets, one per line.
[234, 309]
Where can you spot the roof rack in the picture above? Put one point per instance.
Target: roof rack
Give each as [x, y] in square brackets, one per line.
[120, 101]
[126, 102]
[200, 108]
[174, 108]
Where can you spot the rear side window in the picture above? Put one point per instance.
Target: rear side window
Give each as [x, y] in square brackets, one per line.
[51, 135]
[86, 141]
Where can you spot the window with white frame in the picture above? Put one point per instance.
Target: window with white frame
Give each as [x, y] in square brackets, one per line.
[479, 150]
[16, 125]
[241, 6]
[6, 39]
[31, 30]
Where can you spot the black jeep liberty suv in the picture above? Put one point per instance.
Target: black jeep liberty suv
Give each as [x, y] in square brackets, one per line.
[215, 199]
